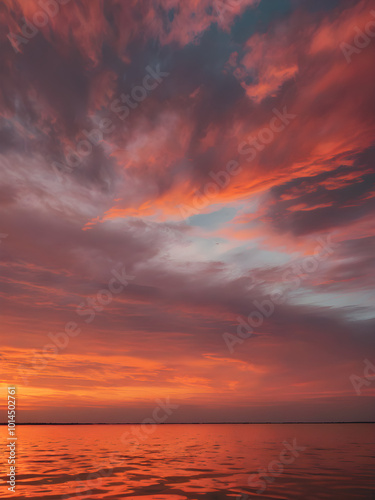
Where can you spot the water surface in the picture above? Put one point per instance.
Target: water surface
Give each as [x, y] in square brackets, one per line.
[179, 462]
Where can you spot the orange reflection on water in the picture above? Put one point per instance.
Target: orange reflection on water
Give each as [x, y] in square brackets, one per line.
[176, 462]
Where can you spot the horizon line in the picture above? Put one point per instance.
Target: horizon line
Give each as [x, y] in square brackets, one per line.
[190, 423]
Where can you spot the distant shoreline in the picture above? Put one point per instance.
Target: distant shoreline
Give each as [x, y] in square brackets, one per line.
[186, 423]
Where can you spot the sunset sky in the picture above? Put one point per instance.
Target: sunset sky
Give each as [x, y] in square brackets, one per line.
[171, 171]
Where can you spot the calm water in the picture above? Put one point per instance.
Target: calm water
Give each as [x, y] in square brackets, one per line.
[177, 462]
